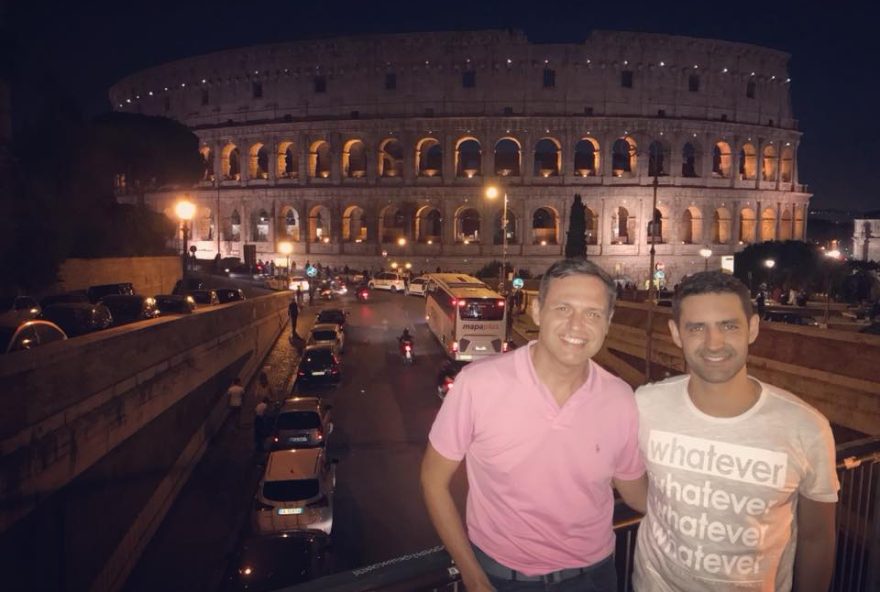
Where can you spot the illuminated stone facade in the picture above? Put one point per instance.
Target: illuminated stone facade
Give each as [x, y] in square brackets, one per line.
[866, 240]
[346, 146]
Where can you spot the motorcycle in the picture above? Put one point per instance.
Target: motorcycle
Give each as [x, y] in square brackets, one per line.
[406, 351]
[363, 294]
[446, 378]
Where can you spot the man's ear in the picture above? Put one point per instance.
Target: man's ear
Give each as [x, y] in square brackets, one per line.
[754, 326]
[673, 331]
[535, 310]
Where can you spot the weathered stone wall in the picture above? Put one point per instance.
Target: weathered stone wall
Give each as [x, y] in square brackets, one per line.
[150, 275]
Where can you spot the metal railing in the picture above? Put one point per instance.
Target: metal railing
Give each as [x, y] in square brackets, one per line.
[856, 566]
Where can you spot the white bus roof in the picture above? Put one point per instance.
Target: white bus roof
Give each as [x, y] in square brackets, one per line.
[461, 285]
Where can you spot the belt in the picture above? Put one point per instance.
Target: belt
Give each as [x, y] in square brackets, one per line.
[498, 570]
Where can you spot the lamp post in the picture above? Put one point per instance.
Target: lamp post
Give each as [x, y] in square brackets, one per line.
[286, 248]
[492, 193]
[705, 253]
[833, 255]
[649, 327]
[185, 210]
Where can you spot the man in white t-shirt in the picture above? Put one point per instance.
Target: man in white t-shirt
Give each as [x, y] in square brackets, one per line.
[235, 393]
[742, 481]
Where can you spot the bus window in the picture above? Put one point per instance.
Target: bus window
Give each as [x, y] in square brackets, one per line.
[481, 310]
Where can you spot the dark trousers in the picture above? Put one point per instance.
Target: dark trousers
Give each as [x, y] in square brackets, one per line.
[599, 577]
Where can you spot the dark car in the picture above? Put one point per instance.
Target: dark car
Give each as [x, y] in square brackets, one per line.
[169, 304]
[225, 295]
[78, 318]
[274, 562]
[790, 318]
[186, 285]
[19, 308]
[130, 308]
[302, 422]
[72, 296]
[318, 366]
[15, 336]
[332, 315]
[203, 297]
[95, 293]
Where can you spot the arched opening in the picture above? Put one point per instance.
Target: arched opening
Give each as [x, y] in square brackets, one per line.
[258, 162]
[319, 225]
[507, 158]
[786, 164]
[391, 158]
[586, 158]
[592, 226]
[392, 224]
[691, 164]
[497, 235]
[468, 158]
[354, 159]
[657, 159]
[748, 162]
[467, 226]
[624, 157]
[769, 164]
[290, 224]
[691, 230]
[207, 163]
[354, 225]
[622, 227]
[429, 225]
[203, 225]
[656, 227]
[230, 165]
[768, 224]
[747, 226]
[286, 162]
[234, 227]
[544, 231]
[721, 226]
[319, 160]
[721, 159]
[429, 157]
[785, 225]
[799, 223]
[548, 158]
[261, 227]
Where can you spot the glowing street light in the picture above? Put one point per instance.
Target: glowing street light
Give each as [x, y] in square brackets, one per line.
[492, 193]
[705, 253]
[401, 241]
[185, 210]
[286, 248]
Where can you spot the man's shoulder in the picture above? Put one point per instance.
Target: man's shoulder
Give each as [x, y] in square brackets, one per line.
[792, 407]
[608, 381]
[492, 369]
[662, 389]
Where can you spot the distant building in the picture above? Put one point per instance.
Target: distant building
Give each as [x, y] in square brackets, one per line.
[866, 240]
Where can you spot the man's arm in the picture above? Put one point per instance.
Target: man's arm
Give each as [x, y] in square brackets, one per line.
[437, 471]
[814, 562]
[634, 492]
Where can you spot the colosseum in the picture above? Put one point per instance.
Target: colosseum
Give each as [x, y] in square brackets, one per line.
[374, 150]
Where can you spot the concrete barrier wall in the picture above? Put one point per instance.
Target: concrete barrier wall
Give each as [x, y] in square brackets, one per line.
[150, 275]
[98, 434]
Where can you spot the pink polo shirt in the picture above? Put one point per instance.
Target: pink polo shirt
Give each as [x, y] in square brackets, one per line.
[539, 476]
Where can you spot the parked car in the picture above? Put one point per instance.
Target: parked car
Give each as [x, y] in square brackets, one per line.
[336, 316]
[791, 318]
[417, 287]
[298, 281]
[265, 563]
[387, 280]
[72, 296]
[295, 492]
[95, 293]
[318, 366]
[15, 336]
[182, 286]
[302, 422]
[169, 304]
[78, 318]
[203, 298]
[327, 334]
[19, 308]
[225, 295]
[130, 308]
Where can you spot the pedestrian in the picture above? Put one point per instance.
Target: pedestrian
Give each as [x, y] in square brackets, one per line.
[742, 482]
[761, 303]
[263, 388]
[299, 295]
[235, 398]
[260, 424]
[312, 291]
[293, 313]
[545, 432]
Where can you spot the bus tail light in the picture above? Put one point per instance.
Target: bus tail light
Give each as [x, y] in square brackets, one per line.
[504, 347]
[500, 304]
[454, 347]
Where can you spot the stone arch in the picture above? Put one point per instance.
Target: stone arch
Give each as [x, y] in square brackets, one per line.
[748, 226]
[319, 224]
[659, 224]
[508, 157]
[586, 157]
[429, 157]
[429, 225]
[290, 224]
[319, 161]
[721, 159]
[261, 222]
[799, 223]
[230, 162]
[467, 225]
[258, 161]
[392, 224]
[748, 161]
[768, 224]
[721, 226]
[592, 226]
[785, 225]
[623, 227]
[234, 233]
[691, 229]
[786, 164]
[691, 159]
[769, 163]
[658, 159]
[286, 161]
[545, 226]
[468, 158]
[390, 158]
[203, 224]
[207, 163]
[497, 224]
[624, 157]
[548, 157]
[354, 224]
[354, 159]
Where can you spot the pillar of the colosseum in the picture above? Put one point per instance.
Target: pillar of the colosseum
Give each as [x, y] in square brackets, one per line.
[217, 148]
[335, 140]
[244, 159]
[567, 139]
[371, 150]
[778, 230]
[708, 145]
[448, 172]
[408, 141]
[674, 159]
[301, 142]
[490, 139]
[736, 222]
[528, 157]
[606, 143]
[272, 151]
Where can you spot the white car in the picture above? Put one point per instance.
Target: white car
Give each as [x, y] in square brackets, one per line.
[387, 280]
[328, 334]
[296, 492]
[302, 282]
[417, 287]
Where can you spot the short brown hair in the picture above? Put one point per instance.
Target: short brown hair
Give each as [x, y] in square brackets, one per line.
[566, 267]
[711, 282]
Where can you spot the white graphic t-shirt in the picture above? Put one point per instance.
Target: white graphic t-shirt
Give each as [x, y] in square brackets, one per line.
[722, 495]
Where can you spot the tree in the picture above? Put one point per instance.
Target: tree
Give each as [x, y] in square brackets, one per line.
[576, 237]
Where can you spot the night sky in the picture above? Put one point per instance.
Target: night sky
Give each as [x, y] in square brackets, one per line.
[87, 46]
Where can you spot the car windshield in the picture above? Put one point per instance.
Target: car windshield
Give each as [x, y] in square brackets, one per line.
[318, 357]
[324, 335]
[331, 316]
[481, 310]
[201, 297]
[290, 491]
[298, 420]
[170, 305]
[123, 306]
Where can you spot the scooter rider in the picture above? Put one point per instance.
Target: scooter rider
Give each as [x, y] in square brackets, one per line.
[405, 337]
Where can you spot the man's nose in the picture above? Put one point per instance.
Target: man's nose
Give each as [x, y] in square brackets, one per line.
[714, 338]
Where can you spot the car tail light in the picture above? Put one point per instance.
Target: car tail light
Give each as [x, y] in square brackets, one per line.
[276, 439]
[301, 373]
[500, 304]
[504, 347]
[319, 435]
[407, 347]
[454, 346]
[334, 370]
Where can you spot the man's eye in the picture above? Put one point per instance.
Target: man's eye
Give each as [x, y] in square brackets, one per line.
[695, 328]
[730, 326]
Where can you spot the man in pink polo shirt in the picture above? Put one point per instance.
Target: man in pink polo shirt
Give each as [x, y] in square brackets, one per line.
[545, 432]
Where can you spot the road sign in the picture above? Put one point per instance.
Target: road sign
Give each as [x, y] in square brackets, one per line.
[311, 271]
[518, 283]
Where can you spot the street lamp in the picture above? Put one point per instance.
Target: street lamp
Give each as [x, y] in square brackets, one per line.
[705, 253]
[492, 193]
[185, 210]
[833, 255]
[286, 248]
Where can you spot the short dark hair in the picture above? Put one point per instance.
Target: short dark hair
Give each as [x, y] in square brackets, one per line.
[568, 267]
[711, 282]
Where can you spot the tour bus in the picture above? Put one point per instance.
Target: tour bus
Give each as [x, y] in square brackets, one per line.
[468, 318]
